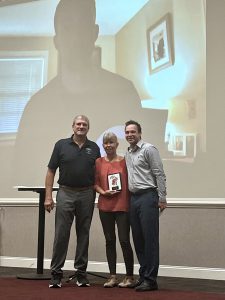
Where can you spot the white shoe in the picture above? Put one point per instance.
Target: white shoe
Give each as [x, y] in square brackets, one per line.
[111, 282]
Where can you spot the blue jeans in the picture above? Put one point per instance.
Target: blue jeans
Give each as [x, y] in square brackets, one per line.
[144, 219]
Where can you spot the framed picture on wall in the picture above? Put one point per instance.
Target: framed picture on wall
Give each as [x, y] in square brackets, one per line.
[185, 144]
[179, 145]
[160, 45]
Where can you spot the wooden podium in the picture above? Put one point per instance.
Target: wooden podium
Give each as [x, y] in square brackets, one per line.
[40, 274]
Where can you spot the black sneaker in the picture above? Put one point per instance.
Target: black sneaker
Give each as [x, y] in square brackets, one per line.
[55, 281]
[147, 286]
[138, 281]
[82, 280]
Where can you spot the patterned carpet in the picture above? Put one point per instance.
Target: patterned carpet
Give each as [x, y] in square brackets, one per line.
[20, 289]
[169, 288]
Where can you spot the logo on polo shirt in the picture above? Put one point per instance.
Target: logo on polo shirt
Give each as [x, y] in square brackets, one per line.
[88, 150]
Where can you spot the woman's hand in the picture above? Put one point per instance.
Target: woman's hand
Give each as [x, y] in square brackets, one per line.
[110, 193]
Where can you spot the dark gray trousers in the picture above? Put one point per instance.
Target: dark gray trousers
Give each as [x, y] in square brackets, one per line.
[70, 204]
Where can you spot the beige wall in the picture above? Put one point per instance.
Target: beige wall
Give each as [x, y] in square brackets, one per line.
[183, 81]
[107, 44]
[188, 236]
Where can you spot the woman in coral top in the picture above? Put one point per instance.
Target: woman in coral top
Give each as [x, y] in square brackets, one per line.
[113, 203]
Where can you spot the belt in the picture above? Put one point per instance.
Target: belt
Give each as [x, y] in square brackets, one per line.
[76, 189]
[139, 192]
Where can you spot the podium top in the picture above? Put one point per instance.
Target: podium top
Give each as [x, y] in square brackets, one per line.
[37, 189]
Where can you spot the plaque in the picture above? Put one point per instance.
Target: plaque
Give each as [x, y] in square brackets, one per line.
[114, 181]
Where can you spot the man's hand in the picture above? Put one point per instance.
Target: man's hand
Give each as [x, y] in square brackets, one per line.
[162, 206]
[49, 204]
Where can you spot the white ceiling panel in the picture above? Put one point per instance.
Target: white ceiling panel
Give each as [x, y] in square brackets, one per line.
[36, 17]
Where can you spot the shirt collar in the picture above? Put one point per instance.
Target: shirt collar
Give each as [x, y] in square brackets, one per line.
[86, 143]
[136, 147]
[140, 144]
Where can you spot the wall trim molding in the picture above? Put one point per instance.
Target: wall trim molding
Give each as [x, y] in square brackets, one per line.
[94, 266]
[17, 202]
[172, 202]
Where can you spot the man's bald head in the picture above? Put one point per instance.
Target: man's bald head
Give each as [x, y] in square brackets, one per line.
[71, 9]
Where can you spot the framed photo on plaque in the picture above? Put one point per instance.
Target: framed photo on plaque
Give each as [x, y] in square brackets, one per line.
[114, 182]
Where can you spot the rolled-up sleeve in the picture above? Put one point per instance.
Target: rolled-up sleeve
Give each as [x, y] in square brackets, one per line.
[157, 170]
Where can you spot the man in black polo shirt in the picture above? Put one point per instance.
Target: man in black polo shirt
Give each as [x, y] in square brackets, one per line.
[75, 157]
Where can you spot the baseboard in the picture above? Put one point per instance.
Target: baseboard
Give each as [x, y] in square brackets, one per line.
[172, 202]
[94, 266]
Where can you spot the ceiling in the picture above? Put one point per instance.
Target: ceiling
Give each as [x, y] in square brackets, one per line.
[24, 17]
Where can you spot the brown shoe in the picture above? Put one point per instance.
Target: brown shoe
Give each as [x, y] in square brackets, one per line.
[111, 282]
[128, 282]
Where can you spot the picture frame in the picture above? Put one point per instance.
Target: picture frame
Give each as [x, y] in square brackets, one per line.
[179, 145]
[160, 44]
[114, 182]
[185, 145]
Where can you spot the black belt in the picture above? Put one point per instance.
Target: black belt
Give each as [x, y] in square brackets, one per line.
[76, 189]
[139, 192]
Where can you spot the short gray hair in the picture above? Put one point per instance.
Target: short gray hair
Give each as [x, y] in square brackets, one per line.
[108, 136]
[83, 117]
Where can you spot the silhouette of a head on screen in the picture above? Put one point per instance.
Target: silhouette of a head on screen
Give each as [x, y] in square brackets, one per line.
[81, 86]
[75, 33]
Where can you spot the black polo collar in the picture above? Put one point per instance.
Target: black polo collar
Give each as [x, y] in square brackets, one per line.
[86, 143]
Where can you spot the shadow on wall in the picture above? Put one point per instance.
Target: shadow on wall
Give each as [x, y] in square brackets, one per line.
[81, 87]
